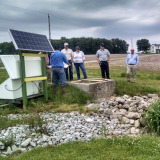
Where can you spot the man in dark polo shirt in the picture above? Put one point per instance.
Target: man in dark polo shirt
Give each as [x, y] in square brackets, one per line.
[103, 57]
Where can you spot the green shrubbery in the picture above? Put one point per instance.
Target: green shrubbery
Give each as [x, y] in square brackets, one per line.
[152, 117]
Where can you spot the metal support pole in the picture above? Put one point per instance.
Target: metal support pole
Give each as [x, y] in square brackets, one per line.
[44, 75]
[23, 75]
[49, 28]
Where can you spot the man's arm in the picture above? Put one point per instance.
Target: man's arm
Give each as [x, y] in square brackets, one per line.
[137, 60]
[127, 60]
[108, 58]
[98, 59]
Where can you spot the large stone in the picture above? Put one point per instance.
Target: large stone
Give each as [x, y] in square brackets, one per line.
[142, 122]
[2, 146]
[120, 100]
[134, 130]
[137, 124]
[108, 111]
[9, 151]
[113, 116]
[33, 144]
[117, 133]
[14, 147]
[125, 120]
[121, 112]
[26, 142]
[89, 120]
[152, 95]
[133, 115]
[115, 103]
[132, 109]
[131, 121]
[128, 101]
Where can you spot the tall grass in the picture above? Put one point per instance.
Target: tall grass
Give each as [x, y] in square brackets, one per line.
[152, 117]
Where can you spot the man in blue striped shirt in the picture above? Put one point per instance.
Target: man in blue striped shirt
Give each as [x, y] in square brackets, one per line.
[132, 61]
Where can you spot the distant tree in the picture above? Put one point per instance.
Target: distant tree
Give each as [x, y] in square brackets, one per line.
[143, 45]
[7, 48]
[119, 45]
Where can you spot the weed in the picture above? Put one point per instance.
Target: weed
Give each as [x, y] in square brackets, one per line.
[8, 141]
[152, 117]
[123, 74]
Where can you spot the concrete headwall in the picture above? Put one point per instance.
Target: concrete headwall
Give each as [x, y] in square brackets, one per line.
[98, 90]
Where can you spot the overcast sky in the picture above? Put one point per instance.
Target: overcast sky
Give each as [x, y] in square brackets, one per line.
[123, 19]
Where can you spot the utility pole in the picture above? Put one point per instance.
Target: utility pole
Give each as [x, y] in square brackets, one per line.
[49, 28]
[131, 43]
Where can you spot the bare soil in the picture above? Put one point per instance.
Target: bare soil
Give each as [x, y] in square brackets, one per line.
[146, 62]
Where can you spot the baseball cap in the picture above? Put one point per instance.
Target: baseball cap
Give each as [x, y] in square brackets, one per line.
[102, 44]
[77, 47]
[56, 47]
[65, 44]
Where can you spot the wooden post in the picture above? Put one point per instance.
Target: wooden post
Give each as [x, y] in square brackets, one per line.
[23, 75]
[44, 75]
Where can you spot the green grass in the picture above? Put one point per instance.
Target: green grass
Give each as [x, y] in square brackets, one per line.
[143, 148]
[75, 99]
[146, 81]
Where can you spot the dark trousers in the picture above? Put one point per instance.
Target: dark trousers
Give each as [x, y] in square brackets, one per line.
[104, 69]
[70, 71]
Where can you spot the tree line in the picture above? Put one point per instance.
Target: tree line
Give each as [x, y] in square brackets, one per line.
[87, 45]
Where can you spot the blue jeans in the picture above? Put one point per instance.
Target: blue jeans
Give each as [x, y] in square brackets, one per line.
[81, 65]
[70, 71]
[58, 74]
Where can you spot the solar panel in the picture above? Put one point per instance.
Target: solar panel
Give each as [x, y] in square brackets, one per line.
[30, 41]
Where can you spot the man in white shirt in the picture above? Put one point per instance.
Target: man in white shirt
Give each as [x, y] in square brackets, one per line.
[69, 54]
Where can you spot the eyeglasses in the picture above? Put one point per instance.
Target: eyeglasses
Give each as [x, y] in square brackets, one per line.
[132, 50]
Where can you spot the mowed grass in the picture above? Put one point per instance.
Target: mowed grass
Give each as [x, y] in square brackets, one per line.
[142, 148]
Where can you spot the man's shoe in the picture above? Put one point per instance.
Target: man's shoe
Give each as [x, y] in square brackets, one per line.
[63, 90]
[54, 90]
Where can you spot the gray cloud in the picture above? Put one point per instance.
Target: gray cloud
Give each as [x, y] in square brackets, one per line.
[92, 18]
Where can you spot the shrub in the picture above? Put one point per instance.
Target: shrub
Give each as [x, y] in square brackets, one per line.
[152, 117]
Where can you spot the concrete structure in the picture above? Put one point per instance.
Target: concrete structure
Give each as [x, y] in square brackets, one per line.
[155, 48]
[97, 87]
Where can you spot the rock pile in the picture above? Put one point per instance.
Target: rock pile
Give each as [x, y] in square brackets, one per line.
[117, 116]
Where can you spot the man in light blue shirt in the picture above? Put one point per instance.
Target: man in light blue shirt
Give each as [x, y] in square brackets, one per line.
[56, 60]
[132, 61]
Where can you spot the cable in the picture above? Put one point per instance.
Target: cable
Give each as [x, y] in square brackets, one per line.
[13, 90]
[36, 86]
[21, 83]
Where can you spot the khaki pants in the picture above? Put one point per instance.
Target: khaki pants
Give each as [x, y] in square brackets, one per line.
[131, 68]
[49, 78]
